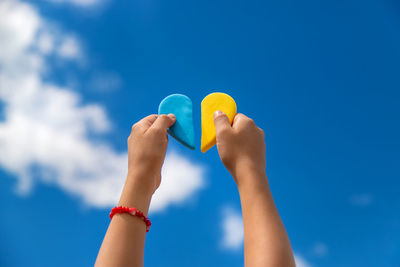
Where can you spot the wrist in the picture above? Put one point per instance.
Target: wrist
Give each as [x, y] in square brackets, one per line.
[252, 182]
[140, 170]
[244, 166]
[134, 194]
[146, 180]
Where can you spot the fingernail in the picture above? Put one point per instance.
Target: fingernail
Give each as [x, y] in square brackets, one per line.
[217, 113]
[172, 116]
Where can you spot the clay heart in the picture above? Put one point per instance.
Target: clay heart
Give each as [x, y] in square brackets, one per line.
[210, 104]
[181, 106]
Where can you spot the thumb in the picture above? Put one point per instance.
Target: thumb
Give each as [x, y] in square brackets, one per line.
[221, 122]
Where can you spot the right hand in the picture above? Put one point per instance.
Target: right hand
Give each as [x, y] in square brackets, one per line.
[241, 148]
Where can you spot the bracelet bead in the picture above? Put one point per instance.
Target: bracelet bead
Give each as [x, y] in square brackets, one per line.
[132, 211]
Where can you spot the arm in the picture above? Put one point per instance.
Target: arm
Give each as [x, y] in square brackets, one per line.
[123, 244]
[242, 150]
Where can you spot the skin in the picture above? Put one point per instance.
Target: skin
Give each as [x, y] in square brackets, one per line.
[242, 150]
[123, 244]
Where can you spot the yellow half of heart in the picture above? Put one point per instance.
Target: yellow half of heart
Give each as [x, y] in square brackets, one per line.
[210, 104]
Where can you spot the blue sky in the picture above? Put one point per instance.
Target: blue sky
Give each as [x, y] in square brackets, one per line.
[320, 78]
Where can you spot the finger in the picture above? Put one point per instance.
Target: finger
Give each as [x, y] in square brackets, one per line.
[236, 120]
[261, 131]
[239, 120]
[221, 122]
[146, 122]
[143, 124]
[163, 122]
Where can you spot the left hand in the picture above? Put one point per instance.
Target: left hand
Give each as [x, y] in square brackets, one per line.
[147, 146]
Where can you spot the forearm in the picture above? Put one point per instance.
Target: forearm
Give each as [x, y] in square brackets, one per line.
[265, 239]
[124, 242]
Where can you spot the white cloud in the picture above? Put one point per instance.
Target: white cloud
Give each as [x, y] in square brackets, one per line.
[15, 33]
[16, 37]
[105, 81]
[300, 261]
[233, 235]
[82, 3]
[70, 48]
[232, 226]
[45, 43]
[49, 136]
[180, 178]
[320, 249]
[361, 200]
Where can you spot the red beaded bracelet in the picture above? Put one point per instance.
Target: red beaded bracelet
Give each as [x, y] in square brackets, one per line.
[133, 212]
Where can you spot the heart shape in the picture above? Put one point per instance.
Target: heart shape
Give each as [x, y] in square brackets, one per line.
[181, 106]
[210, 104]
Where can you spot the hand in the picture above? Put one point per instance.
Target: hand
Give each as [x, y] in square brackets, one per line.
[241, 147]
[147, 145]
